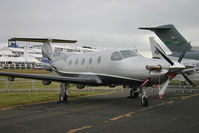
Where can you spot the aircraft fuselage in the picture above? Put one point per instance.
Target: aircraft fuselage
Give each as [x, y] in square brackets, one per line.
[127, 71]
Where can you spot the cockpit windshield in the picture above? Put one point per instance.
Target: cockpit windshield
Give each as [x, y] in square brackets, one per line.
[128, 53]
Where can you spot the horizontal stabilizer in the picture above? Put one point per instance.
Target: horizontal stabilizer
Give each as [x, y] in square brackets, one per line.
[154, 28]
[42, 40]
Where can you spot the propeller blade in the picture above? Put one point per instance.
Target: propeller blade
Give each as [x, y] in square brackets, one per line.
[164, 87]
[187, 79]
[165, 57]
[182, 55]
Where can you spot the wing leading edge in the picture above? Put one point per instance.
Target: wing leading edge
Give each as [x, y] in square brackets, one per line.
[52, 78]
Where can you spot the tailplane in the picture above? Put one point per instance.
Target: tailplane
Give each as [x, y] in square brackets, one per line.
[47, 47]
[170, 36]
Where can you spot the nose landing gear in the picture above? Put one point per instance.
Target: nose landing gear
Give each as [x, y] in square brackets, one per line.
[134, 93]
[144, 100]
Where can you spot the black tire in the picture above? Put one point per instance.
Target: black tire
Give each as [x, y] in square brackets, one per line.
[63, 98]
[131, 93]
[134, 94]
[144, 101]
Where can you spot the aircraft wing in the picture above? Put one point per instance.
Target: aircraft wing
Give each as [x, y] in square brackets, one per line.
[42, 40]
[52, 78]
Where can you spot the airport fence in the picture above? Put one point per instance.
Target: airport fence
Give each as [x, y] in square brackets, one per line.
[32, 86]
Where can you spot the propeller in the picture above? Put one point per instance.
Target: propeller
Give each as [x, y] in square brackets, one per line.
[164, 87]
[182, 55]
[187, 79]
[165, 57]
[162, 90]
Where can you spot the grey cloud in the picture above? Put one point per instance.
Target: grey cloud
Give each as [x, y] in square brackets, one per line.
[100, 23]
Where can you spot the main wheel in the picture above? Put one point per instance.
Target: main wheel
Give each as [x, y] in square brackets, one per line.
[134, 94]
[63, 97]
[144, 101]
[131, 93]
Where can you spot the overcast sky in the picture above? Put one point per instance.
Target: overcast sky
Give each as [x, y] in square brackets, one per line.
[98, 23]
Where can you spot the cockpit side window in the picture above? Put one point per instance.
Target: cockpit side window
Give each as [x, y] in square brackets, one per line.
[116, 56]
[128, 53]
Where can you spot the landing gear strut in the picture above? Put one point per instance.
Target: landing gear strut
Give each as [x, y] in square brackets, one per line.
[63, 96]
[134, 93]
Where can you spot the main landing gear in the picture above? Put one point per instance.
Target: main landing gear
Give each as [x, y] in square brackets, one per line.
[134, 93]
[63, 96]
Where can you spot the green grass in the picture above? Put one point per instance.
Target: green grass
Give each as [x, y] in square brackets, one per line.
[14, 99]
[22, 83]
[25, 84]
[22, 98]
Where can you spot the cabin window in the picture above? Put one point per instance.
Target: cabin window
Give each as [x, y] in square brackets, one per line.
[128, 53]
[83, 61]
[90, 61]
[99, 59]
[116, 56]
[76, 62]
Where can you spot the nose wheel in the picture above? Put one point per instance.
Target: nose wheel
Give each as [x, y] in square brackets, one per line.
[144, 100]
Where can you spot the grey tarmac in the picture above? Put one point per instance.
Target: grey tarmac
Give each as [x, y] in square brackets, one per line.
[112, 112]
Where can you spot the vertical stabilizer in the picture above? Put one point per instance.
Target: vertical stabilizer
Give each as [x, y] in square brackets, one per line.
[170, 36]
[47, 50]
[154, 46]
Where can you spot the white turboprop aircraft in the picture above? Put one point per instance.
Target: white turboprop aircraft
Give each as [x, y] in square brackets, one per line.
[103, 68]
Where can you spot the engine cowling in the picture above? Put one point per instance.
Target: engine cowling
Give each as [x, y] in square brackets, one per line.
[80, 86]
[46, 82]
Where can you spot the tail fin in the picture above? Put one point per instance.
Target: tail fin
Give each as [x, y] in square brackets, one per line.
[154, 46]
[47, 50]
[170, 36]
